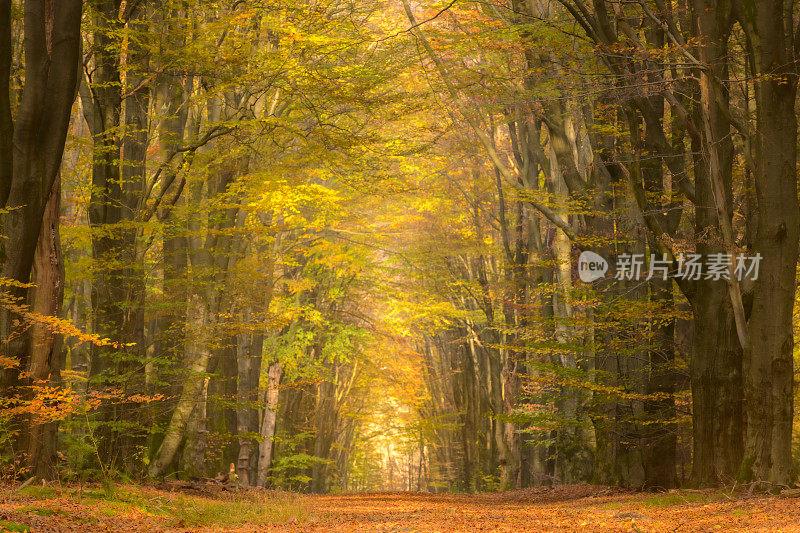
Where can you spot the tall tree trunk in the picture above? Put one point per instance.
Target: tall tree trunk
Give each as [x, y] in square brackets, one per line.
[211, 257]
[169, 328]
[192, 459]
[660, 442]
[248, 359]
[716, 380]
[32, 147]
[32, 139]
[769, 363]
[221, 411]
[325, 421]
[464, 396]
[46, 346]
[716, 372]
[200, 325]
[268, 423]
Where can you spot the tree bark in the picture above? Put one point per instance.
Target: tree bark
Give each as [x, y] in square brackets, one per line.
[769, 362]
[33, 145]
[248, 358]
[716, 371]
[199, 327]
[46, 346]
[268, 423]
[716, 380]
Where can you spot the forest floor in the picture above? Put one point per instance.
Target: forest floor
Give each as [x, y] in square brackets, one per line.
[183, 508]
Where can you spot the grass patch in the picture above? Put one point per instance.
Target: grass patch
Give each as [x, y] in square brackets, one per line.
[610, 506]
[677, 498]
[253, 508]
[13, 526]
[40, 492]
[41, 511]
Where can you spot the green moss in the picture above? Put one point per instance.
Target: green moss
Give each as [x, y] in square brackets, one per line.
[40, 492]
[41, 511]
[178, 509]
[745, 473]
[610, 506]
[677, 498]
[750, 10]
[13, 526]
[235, 513]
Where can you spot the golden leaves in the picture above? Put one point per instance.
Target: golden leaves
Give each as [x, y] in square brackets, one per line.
[55, 325]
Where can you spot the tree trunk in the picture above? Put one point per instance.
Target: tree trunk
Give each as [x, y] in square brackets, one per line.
[211, 258]
[221, 411]
[46, 347]
[769, 363]
[200, 325]
[192, 460]
[248, 361]
[325, 420]
[268, 423]
[716, 376]
[32, 147]
[716, 373]
[660, 442]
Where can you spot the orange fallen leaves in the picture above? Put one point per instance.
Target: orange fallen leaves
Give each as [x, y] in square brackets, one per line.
[564, 508]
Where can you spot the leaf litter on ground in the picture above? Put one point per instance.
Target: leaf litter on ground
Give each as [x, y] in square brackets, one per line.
[182, 507]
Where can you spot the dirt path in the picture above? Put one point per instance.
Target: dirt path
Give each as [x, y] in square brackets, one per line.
[576, 508]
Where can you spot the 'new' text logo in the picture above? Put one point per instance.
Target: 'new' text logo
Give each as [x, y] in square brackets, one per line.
[591, 267]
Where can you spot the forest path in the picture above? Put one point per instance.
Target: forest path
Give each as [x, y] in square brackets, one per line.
[575, 508]
[568, 508]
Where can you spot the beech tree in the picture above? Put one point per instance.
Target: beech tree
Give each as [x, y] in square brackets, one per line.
[35, 112]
